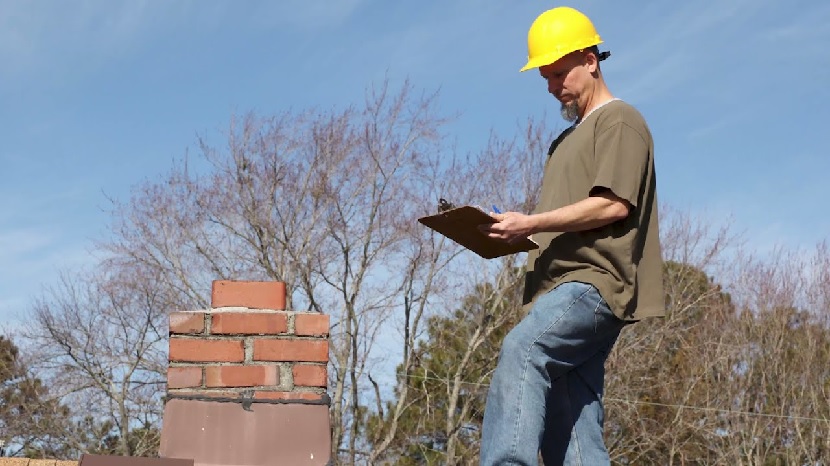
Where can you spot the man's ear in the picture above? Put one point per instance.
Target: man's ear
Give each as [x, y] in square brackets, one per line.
[592, 62]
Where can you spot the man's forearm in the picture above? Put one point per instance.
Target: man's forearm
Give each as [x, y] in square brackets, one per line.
[587, 214]
[594, 212]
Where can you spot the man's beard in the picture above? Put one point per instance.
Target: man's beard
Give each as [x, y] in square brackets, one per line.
[570, 111]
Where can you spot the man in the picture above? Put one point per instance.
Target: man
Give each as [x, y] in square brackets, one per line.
[598, 267]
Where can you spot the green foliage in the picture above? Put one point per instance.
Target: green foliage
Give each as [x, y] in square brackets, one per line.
[102, 438]
[29, 419]
[449, 380]
[93, 436]
[35, 425]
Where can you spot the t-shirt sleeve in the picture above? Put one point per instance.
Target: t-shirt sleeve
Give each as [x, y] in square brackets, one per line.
[622, 160]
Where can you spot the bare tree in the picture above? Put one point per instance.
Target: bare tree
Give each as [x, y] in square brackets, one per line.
[780, 381]
[736, 372]
[511, 179]
[327, 202]
[660, 365]
[323, 200]
[98, 342]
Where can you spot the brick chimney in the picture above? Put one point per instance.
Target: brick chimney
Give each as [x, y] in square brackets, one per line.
[247, 381]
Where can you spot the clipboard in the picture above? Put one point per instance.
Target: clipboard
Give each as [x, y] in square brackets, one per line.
[460, 224]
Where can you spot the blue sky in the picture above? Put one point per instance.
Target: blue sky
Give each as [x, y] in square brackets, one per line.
[98, 95]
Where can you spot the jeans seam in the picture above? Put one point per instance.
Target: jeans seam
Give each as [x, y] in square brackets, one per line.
[515, 442]
[596, 316]
[574, 432]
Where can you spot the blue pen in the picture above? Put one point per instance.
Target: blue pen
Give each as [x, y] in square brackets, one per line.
[496, 209]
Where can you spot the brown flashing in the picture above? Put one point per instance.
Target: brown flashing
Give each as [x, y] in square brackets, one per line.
[35, 462]
[260, 434]
[106, 460]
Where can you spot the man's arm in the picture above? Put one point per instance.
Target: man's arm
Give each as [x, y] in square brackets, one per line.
[595, 211]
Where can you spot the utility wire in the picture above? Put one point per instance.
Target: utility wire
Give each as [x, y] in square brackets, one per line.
[720, 410]
[667, 405]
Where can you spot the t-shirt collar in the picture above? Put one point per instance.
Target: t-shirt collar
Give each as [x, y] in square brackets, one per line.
[594, 110]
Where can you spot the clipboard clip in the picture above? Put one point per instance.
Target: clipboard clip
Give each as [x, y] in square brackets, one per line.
[444, 205]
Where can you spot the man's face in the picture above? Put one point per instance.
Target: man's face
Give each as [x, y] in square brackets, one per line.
[567, 79]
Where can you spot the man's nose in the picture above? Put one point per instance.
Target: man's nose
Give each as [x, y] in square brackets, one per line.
[553, 86]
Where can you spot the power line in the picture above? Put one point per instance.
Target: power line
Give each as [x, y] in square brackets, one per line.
[667, 405]
[720, 410]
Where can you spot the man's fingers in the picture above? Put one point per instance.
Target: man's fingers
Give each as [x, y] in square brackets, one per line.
[491, 232]
[485, 228]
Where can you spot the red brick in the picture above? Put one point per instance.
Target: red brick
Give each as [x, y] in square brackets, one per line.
[311, 324]
[184, 377]
[307, 375]
[206, 393]
[291, 350]
[201, 350]
[241, 376]
[262, 395]
[255, 295]
[187, 322]
[248, 323]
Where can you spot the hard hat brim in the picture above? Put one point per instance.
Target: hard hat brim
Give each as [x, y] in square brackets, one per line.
[549, 58]
[542, 61]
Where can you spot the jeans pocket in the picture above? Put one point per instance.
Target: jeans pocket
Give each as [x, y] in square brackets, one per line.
[604, 318]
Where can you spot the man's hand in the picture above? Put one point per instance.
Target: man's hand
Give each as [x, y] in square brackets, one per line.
[510, 227]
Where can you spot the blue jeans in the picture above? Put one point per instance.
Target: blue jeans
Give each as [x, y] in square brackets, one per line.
[546, 392]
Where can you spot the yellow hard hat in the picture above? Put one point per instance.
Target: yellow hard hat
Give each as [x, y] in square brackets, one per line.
[556, 33]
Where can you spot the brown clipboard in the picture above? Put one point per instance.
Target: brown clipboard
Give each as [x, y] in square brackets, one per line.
[461, 225]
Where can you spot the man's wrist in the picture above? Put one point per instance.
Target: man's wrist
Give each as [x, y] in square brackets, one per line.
[534, 224]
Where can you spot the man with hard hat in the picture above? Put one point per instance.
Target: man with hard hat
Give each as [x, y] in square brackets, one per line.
[598, 265]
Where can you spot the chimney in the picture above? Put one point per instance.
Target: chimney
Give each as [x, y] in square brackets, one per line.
[247, 381]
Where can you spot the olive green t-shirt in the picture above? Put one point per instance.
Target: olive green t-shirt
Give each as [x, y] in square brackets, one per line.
[611, 149]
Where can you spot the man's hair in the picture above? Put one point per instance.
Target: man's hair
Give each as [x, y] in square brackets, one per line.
[600, 55]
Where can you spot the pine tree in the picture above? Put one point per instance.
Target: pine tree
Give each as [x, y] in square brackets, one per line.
[451, 377]
[30, 420]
